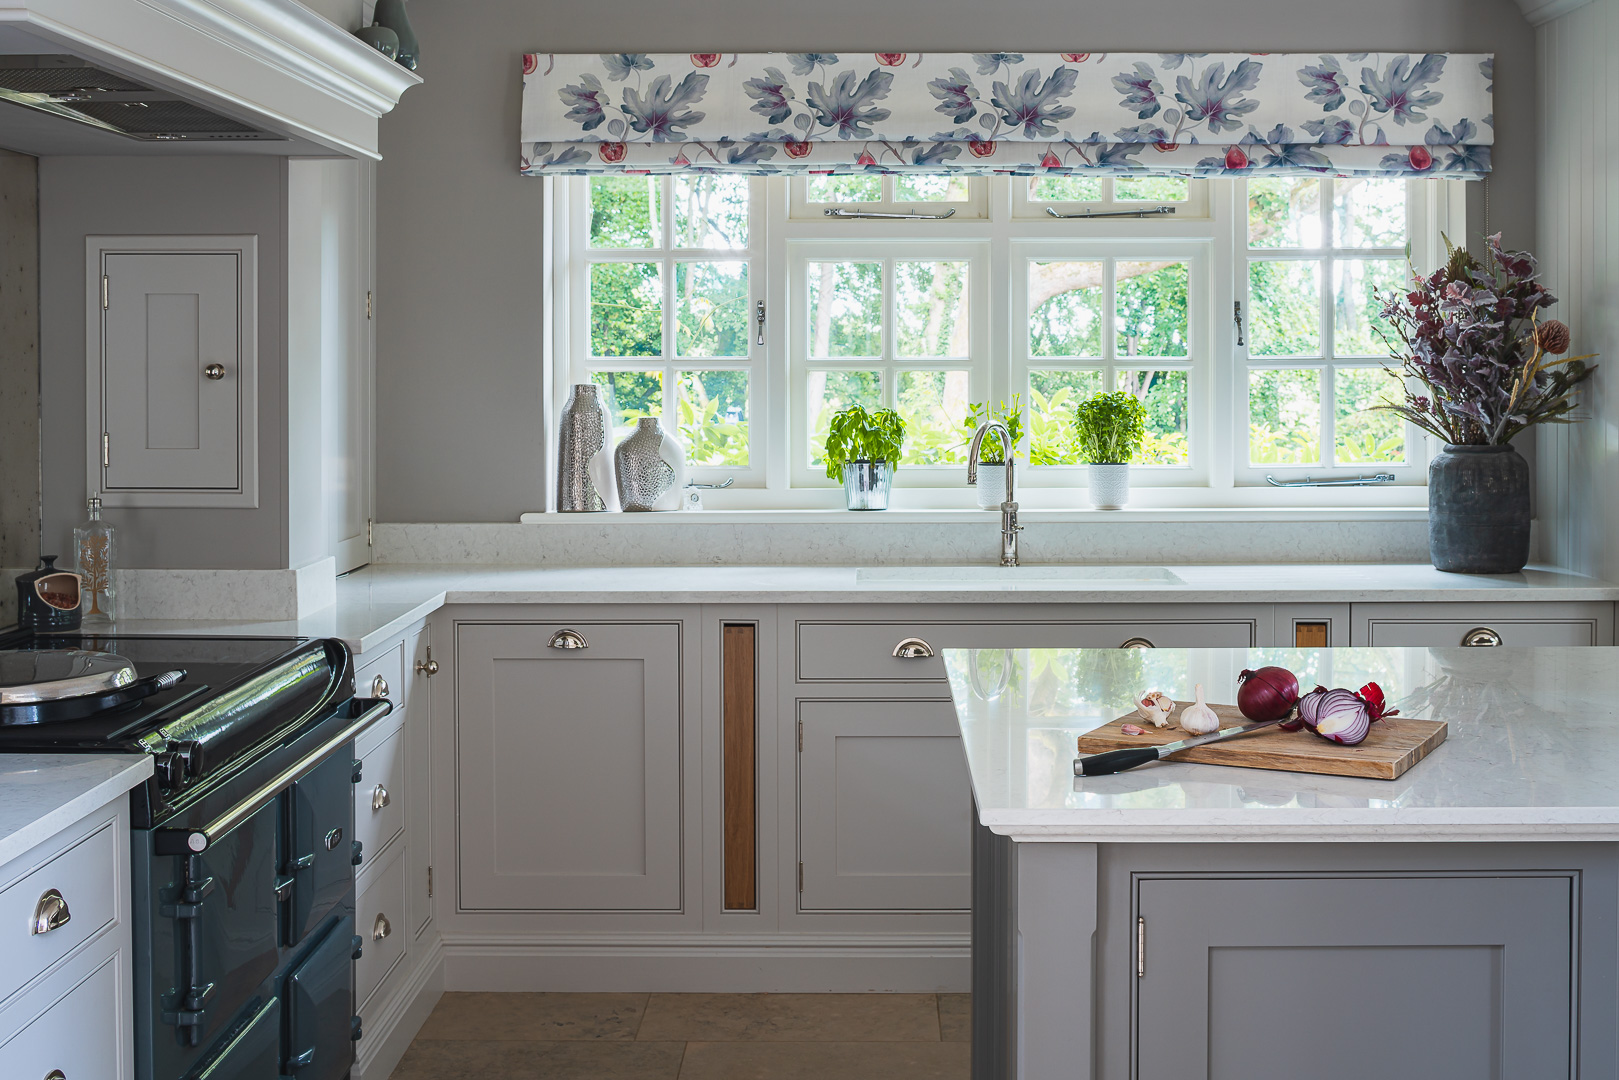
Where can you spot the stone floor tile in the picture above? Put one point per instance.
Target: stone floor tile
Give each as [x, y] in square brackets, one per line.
[569, 1017]
[956, 1017]
[791, 1017]
[465, 1059]
[826, 1060]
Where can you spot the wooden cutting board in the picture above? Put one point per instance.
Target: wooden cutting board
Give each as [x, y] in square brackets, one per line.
[1391, 747]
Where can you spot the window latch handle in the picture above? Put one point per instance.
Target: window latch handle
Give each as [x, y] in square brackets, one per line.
[1236, 317]
[760, 319]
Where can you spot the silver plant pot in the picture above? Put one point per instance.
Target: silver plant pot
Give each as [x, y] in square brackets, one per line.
[584, 459]
[867, 484]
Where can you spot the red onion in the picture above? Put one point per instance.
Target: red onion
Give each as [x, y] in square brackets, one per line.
[1342, 717]
[1267, 694]
[1309, 705]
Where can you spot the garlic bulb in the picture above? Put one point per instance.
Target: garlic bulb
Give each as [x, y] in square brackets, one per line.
[1198, 718]
[1155, 705]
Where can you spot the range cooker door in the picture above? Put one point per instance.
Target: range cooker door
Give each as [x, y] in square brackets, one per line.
[320, 1008]
[254, 1052]
[319, 859]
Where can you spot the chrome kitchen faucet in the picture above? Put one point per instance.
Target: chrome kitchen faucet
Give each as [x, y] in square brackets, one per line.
[1009, 526]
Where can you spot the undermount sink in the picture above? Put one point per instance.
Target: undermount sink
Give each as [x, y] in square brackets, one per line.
[1015, 576]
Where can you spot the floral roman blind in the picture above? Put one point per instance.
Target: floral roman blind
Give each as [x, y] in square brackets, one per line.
[1189, 114]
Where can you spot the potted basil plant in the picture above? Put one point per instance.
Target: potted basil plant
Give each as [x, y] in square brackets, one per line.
[991, 486]
[863, 449]
[1108, 429]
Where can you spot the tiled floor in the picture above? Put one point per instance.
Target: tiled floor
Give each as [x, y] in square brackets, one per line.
[692, 1037]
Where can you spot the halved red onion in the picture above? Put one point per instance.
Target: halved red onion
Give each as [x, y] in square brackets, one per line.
[1342, 717]
[1306, 710]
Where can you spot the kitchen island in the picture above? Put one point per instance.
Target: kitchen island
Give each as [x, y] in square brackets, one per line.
[1186, 920]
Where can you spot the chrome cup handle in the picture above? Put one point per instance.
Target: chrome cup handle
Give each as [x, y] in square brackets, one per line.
[913, 648]
[1481, 637]
[567, 639]
[50, 913]
[381, 928]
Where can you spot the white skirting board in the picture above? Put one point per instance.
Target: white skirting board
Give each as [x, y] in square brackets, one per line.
[388, 1034]
[707, 963]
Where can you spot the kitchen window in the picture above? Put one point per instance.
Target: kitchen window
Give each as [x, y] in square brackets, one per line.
[1242, 313]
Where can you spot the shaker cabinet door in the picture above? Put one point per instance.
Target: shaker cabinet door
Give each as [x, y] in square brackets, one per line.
[569, 760]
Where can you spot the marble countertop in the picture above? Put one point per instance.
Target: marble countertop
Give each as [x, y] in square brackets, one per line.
[1532, 750]
[377, 603]
[41, 794]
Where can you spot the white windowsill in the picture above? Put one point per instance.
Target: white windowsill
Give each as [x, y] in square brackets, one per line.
[1026, 515]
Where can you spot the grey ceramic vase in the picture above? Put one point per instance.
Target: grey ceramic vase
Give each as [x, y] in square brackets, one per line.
[392, 14]
[380, 38]
[650, 468]
[581, 463]
[1478, 510]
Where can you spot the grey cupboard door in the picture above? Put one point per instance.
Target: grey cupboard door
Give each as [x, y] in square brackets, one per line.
[885, 807]
[1345, 978]
[169, 318]
[418, 779]
[569, 770]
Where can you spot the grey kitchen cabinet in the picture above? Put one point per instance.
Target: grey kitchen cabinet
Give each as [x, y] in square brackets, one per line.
[1442, 977]
[419, 668]
[171, 370]
[885, 807]
[1447, 625]
[569, 782]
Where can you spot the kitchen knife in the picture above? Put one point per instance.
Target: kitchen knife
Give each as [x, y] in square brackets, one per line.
[1119, 760]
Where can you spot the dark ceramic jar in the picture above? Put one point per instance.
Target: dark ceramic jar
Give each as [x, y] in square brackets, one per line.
[1478, 510]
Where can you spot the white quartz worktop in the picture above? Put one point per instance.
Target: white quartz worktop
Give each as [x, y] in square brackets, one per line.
[376, 603]
[1532, 750]
[42, 794]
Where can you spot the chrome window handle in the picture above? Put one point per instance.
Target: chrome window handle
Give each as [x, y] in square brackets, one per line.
[1481, 637]
[380, 797]
[50, 913]
[913, 648]
[567, 639]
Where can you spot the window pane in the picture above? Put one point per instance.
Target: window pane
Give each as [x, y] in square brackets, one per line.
[845, 308]
[1065, 189]
[1052, 397]
[1065, 308]
[1284, 417]
[714, 417]
[1361, 435]
[1284, 308]
[923, 187]
[1284, 213]
[1369, 213]
[711, 312]
[934, 405]
[930, 308]
[1164, 395]
[863, 188]
[624, 212]
[1151, 308]
[630, 395]
[711, 211]
[1151, 189]
[1356, 318]
[828, 391]
[626, 309]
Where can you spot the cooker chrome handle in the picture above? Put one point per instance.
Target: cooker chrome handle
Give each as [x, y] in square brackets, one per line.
[913, 648]
[380, 797]
[51, 912]
[567, 639]
[381, 928]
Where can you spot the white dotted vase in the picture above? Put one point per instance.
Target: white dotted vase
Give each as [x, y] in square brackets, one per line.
[1109, 486]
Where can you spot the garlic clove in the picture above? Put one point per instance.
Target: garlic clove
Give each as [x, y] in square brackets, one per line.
[1198, 718]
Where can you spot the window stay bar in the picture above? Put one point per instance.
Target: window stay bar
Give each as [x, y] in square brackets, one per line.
[1359, 481]
[1113, 213]
[839, 212]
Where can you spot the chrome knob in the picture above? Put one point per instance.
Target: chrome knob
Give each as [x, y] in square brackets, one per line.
[1481, 637]
[379, 687]
[428, 667]
[1137, 643]
[913, 648]
[214, 372]
[51, 912]
[381, 928]
[567, 639]
[380, 797]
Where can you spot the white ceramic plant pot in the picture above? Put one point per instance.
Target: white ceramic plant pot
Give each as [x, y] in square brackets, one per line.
[1110, 486]
[991, 486]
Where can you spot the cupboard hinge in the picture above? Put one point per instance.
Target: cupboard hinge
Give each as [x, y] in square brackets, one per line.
[1141, 947]
[368, 532]
[104, 289]
[801, 735]
[800, 877]
[368, 303]
[429, 882]
[106, 450]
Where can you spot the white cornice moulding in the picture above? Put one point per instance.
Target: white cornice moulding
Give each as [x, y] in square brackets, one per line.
[1544, 11]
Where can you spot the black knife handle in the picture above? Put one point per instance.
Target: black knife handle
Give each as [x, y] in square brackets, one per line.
[1114, 761]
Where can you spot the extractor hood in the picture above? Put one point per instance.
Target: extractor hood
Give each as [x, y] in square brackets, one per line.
[73, 89]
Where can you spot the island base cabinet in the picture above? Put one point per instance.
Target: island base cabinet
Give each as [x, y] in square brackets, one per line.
[1343, 978]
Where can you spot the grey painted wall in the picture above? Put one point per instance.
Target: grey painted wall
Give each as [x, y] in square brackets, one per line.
[19, 369]
[83, 196]
[459, 394]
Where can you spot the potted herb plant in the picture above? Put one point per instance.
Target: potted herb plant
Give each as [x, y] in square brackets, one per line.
[1108, 429]
[991, 486]
[862, 449]
[1476, 369]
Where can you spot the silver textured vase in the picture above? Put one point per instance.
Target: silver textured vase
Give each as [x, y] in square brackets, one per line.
[650, 468]
[584, 462]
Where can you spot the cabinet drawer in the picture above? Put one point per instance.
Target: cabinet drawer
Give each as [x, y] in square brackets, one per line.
[1445, 626]
[379, 809]
[78, 1035]
[389, 667]
[864, 651]
[380, 922]
[85, 877]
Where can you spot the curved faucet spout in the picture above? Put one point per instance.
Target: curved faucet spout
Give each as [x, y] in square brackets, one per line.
[1009, 524]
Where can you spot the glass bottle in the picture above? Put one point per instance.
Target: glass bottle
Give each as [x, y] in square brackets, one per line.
[95, 554]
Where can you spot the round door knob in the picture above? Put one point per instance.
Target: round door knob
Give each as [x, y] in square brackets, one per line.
[428, 667]
[214, 372]
[380, 797]
[381, 928]
[1481, 637]
[379, 687]
[1137, 643]
[913, 648]
[568, 639]
[51, 912]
